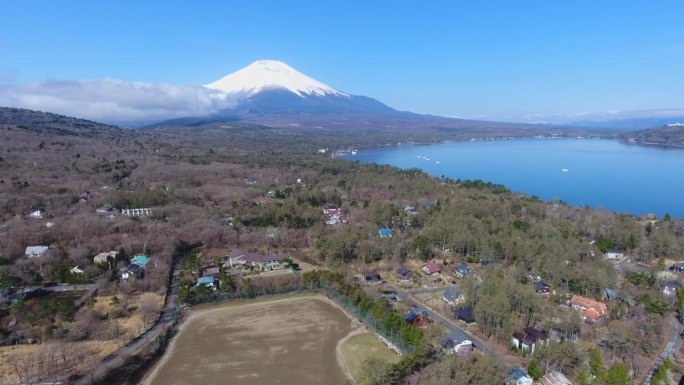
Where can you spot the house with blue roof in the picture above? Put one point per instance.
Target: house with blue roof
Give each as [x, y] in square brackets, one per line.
[462, 270]
[206, 281]
[517, 376]
[140, 260]
[385, 232]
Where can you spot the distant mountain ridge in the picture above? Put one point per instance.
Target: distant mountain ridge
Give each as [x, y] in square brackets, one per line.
[39, 121]
[271, 93]
[667, 135]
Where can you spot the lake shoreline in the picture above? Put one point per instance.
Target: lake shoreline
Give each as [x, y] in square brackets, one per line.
[603, 173]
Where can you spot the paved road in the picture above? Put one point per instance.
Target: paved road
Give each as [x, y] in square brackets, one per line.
[673, 344]
[66, 287]
[449, 324]
[430, 290]
[134, 346]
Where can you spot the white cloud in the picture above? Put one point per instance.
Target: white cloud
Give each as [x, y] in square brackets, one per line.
[566, 118]
[115, 101]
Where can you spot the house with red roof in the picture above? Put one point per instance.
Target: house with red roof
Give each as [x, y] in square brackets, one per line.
[431, 269]
[591, 310]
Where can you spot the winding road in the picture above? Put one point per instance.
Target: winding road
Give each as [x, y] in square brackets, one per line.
[672, 346]
[120, 357]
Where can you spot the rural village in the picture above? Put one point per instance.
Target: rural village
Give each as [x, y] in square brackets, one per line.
[452, 281]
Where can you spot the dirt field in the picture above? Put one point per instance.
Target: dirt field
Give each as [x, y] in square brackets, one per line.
[359, 348]
[285, 341]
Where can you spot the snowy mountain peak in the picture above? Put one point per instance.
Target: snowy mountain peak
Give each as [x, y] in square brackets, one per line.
[271, 74]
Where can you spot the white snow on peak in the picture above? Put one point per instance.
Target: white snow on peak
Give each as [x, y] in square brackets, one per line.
[271, 74]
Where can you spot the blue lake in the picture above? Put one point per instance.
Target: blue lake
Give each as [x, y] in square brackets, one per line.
[587, 172]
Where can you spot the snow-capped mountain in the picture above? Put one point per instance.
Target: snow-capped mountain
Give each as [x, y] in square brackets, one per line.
[271, 88]
[271, 93]
[263, 75]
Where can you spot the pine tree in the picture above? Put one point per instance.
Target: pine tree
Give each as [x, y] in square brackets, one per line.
[534, 370]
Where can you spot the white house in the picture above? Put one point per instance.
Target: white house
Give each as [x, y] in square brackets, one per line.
[614, 254]
[136, 212]
[263, 262]
[35, 251]
[76, 270]
[36, 214]
[104, 257]
[670, 288]
[529, 338]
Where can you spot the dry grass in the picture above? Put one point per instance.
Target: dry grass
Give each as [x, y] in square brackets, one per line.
[132, 325]
[58, 359]
[360, 348]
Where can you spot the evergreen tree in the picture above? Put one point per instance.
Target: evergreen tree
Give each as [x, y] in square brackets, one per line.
[618, 374]
[534, 370]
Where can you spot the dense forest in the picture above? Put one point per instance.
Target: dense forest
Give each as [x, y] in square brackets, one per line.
[195, 183]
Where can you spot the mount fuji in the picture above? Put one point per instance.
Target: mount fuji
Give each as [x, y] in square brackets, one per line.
[271, 93]
[271, 87]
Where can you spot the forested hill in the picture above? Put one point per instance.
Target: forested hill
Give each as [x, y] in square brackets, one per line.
[46, 122]
[670, 135]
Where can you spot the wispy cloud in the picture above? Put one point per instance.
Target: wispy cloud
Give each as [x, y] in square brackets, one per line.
[115, 101]
[601, 116]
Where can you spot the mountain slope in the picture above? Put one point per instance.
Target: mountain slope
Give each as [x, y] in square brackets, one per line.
[271, 93]
[265, 75]
[47, 122]
[668, 135]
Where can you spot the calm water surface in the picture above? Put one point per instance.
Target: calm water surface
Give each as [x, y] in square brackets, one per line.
[587, 172]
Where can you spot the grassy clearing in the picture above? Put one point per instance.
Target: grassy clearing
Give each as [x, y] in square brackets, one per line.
[358, 349]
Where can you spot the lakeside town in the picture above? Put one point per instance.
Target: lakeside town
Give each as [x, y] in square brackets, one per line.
[437, 272]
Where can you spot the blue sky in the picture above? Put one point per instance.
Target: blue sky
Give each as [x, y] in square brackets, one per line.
[510, 60]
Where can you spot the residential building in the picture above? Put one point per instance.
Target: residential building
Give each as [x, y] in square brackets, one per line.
[555, 378]
[410, 210]
[207, 281]
[431, 268]
[331, 209]
[140, 260]
[262, 262]
[404, 274]
[371, 277]
[458, 342]
[136, 212]
[385, 232]
[517, 376]
[106, 209]
[36, 251]
[591, 310]
[76, 270]
[677, 267]
[453, 296]
[529, 338]
[462, 270]
[36, 214]
[132, 271]
[466, 314]
[615, 254]
[670, 288]
[105, 257]
[213, 272]
[541, 287]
